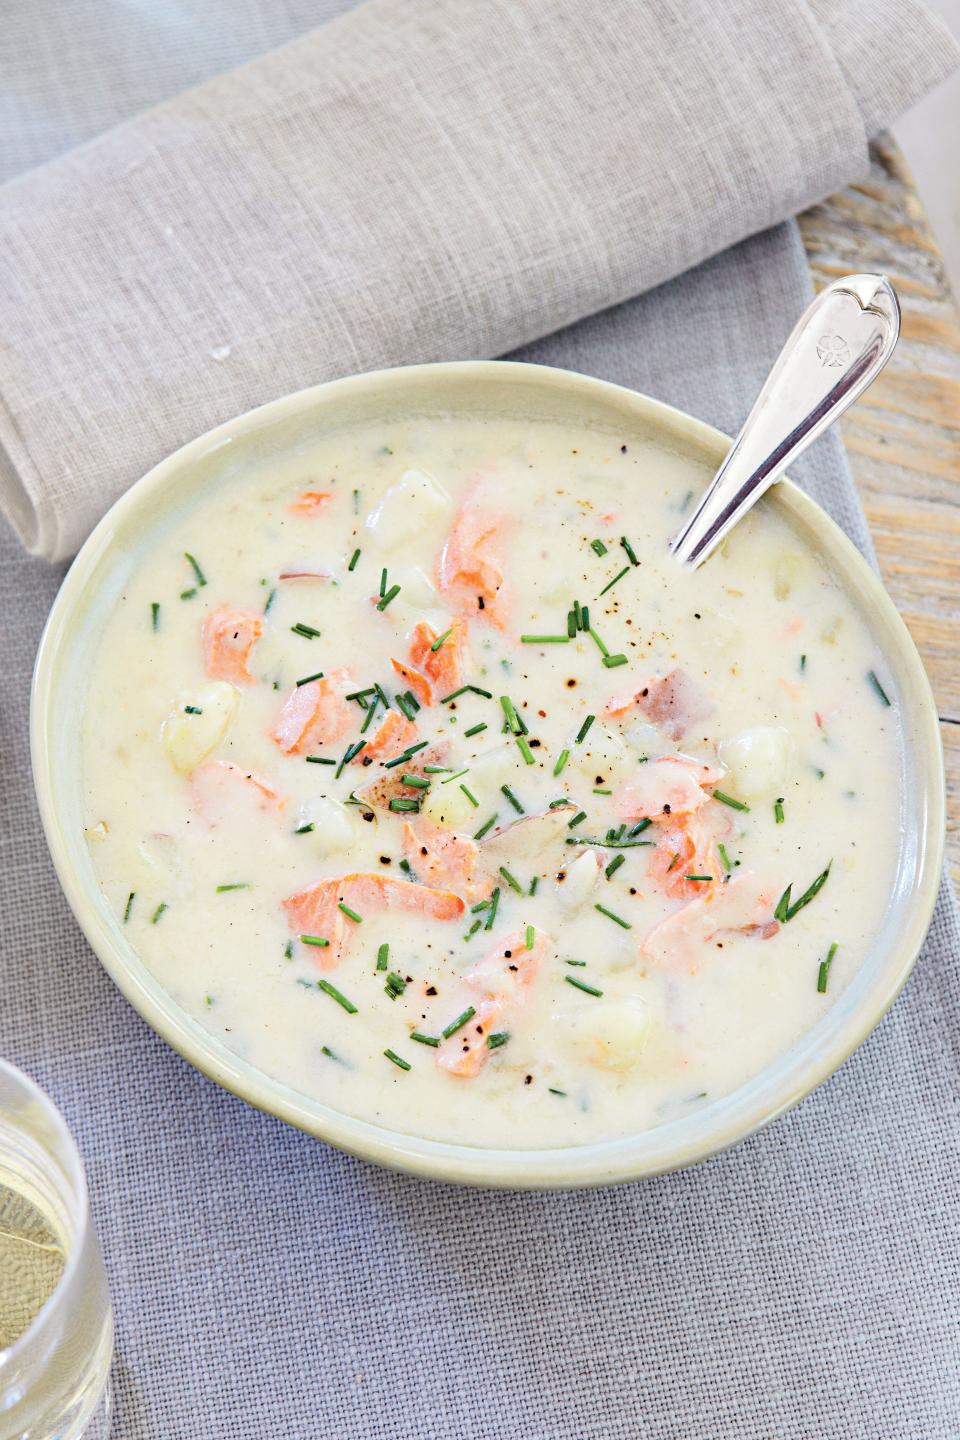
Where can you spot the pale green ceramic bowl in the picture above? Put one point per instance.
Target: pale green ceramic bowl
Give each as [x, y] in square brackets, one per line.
[126, 535]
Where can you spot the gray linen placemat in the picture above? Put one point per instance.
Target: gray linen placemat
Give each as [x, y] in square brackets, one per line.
[410, 182]
[805, 1286]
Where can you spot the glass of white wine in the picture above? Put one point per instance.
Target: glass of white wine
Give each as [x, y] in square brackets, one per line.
[56, 1326]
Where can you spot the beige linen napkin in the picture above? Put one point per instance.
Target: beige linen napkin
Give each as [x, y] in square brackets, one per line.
[411, 182]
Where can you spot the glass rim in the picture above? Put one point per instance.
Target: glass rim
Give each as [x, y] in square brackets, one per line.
[78, 1178]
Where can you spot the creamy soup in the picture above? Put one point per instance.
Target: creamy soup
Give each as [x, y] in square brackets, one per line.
[427, 781]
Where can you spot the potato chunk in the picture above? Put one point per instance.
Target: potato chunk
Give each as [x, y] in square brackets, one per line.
[197, 724]
[415, 506]
[761, 759]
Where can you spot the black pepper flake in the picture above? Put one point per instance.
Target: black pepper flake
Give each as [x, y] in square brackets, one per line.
[431, 989]
[384, 859]
[528, 1079]
[570, 684]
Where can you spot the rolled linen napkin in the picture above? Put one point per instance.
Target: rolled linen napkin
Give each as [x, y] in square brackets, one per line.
[410, 182]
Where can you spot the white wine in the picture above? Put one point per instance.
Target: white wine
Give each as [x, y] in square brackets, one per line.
[31, 1262]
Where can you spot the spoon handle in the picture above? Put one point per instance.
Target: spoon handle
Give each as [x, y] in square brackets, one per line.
[838, 347]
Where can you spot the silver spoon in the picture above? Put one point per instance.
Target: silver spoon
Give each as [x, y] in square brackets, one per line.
[837, 348]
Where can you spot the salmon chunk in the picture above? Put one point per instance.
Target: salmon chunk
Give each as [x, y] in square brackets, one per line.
[445, 859]
[220, 790]
[316, 909]
[388, 784]
[667, 789]
[466, 1052]
[470, 567]
[508, 969]
[315, 714]
[743, 906]
[228, 635]
[673, 702]
[414, 681]
[391, 738]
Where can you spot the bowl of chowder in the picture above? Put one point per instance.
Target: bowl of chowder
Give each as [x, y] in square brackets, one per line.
[412, 790]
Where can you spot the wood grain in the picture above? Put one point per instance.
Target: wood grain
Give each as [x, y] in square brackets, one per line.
[903, 436]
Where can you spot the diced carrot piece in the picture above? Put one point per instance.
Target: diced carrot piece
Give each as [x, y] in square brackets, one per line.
[228, 635]
[310, 502]
[314, 715]
[390, 739]
[470, 567]
[445, 859]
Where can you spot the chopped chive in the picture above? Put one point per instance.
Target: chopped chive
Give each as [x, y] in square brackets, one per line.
[288, 950]
[400, 803]
[349, 754]
[803, 663]
[820, 774]
[236, 885]
[612, 661]
[614, 866]
[371, 712]
[391, 594]
[200, 577]
[783, 905]
[308, 679]
[530, 937]
[269, 601]
[383, 581]
[575, 962]
[778, 810]
[562, 759]
[433, 1040]
[325, 1050]
[411, 700]
[129, 906]
[459, 1023]
[356, 502]
[602, 792]
[307, 631]
[316, 940]
[599, 643]
[551, 1090]
[473, 929]
[305, 829]
[511, 880]
[471, 797]
[480, 905]
[419, 782]
[498, 1038]
[395, 985]
[398, 1060]
[405, 708]
[823, 974]
[192, 710]
[639, 828]
[474, 730]
[525, 750]
[629, 549]
[188, 594]
[722, 852]
[729, 800]
[572, 625]
[350, 914]
[410, 751]
[485, 828]
[158, 912]
[440, 639]
[884, 697]
[319, 760]
[513, 799]
[361, 695]
[625, 924]
[544, 639]
[533, 885]
[513, 719]
[584, 728]
[598, 547]
[578, 615]
[585, 618]
[494, 906]
[618, 576]
[456, 775]
[353, 560]
[405, 867]
[155, 615]
[698, 877]
[383, 955]
[436, 770]
[556, 804]
[808, 894]
[582, 985]
[580, 815]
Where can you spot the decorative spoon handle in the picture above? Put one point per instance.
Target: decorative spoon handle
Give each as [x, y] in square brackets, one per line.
[838, 347]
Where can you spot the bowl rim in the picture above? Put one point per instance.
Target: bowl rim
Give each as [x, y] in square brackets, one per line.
[646, 1153]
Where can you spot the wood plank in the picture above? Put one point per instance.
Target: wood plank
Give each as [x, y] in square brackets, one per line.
[903, 437]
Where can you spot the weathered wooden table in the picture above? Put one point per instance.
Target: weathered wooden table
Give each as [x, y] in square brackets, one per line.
[903, 436]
